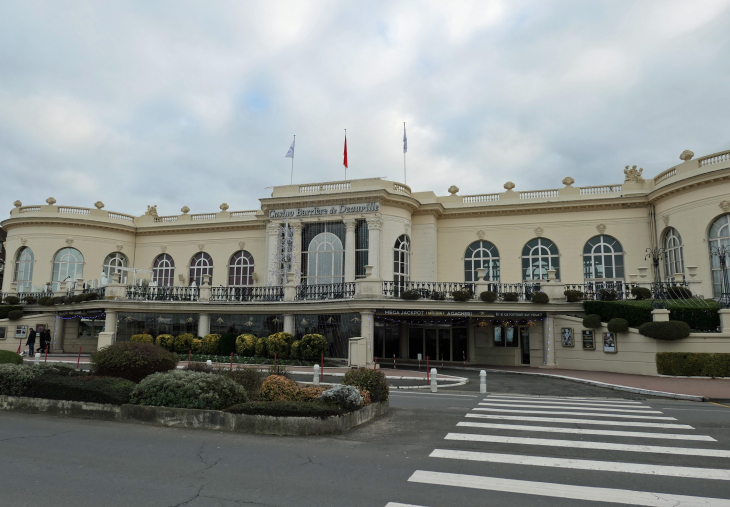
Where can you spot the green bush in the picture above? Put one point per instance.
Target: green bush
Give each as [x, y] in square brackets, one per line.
[288, 409]
[31, 300]
[607, 295]
[50, 301]
[488, 296]
[410, 295]
[678, 292]
[196, 346]
[460, 296]
[668, 330]
[313, 346]
[211, 343]
[573, 296]
[438, 296]
[132, 361]
[510, 296]
[295, 352]
[142, 338]
[76, 388]
[183, 343]
[42, 301]
[540, 298]
[166, 341]
[280, 344]
[92, 296]
[262, 347]
[372, 381]
[16, 378]
[278, 388]
[12, 300]
[688, 364]
[246, 345]
[701, 318]
[248, 378]
[618, 325]
[4, 310]
[15, 314]
[227, 344]
[188, 389]
[592, 321]
[640, 293]
[10, 357]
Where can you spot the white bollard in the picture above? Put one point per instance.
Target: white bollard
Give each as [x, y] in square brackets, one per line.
[316, 375]
[37, 358]
[483, 382]
[209, 363]
[434, 387]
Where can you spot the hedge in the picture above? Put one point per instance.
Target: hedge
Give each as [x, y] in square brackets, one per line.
[510, 296]
[211, 343]
[132, 361]
[10, 357]
[246, 345]
[410, 295]
[704, 318]
[288, 409]
[15, 314]
[312, 347]
[5, 309]
[488, 296]
[227, 344]
[540, 298]
[372, 381]
[461, 296]
[693, 364]
[592, 321]
[573, 296]
[89, 389]
[618, 325]
[668, 330]
[188, 389]
[142, 338]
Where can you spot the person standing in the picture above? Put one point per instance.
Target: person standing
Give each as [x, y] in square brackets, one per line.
[42, 346]
[48, 339]
[31, 342]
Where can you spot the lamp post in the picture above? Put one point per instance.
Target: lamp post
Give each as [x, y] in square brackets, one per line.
[656, 254]
[722, 252]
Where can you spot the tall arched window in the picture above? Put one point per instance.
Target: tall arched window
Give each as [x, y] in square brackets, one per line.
[719, 237]
[24, 269]
[240, 269]
[402, 259]
[68, 265]
[603, 259]
[163, 271]
[201, 264]
[673, 255]
[539, 256]
[113, 261]
[325, 259]
[481, 254]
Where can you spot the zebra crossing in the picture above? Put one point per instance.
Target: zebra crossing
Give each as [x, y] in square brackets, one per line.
[601, 436]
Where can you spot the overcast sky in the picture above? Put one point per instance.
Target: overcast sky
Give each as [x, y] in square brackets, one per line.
[195, 103]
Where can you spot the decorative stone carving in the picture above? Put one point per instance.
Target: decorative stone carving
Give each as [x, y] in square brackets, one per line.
[224, 207]
[23, 241]
[69, 241]
[568, 181]
[481, 234]
[163, 248]
[601, 228]
[51, 201]
[633, 174]
[201, 246]
[407, 228]
[665, 219]
[151, 211]
[686, 155]
[539, 231]
[509, 186]
[350, 223]
[272, 228]
[375, 223]
[17, 204]
[725, 206]
[241, 244]
[99, 204]
[185, 210]
[453, 189]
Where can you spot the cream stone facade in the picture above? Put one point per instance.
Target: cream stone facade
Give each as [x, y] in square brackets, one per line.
[340, 253]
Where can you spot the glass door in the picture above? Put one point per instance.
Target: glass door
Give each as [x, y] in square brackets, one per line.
[444, 344]
[525, 344]
[431, 344]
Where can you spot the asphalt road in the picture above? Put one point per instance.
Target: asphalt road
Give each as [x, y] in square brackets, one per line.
[48, 461]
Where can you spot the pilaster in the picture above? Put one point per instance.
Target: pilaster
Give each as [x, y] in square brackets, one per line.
[375, 226]
[350, 224]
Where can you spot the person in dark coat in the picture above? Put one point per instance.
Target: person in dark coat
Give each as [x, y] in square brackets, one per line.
[48, 339]
[31, 342]
[42, 346]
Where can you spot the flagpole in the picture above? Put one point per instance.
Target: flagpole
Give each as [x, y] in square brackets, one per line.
[346, 148]
[292, 162]
[404, 155]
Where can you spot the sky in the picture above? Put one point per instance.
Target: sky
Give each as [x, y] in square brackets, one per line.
[181, 103]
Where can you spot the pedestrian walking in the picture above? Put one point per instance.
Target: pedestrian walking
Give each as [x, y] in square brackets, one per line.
[43, 341]
[31, 342]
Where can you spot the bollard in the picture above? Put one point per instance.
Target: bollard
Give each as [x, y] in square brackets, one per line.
[209, 363]
[37, 358]
[482, 382]
[78, 361]
[434, 387]
[316, 375]
[20, 345]
[428, 381]
[190, 355]
[464, 356]
[394, 367]
[321, 371]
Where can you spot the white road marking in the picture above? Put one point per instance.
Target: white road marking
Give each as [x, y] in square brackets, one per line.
[604, 409]
[393, 504]
[562, 398]
[573, 403]
[436, 394]
[583, 493]
[641, 424]
[584, 464]
[580, 431]
[553, 412]
[579, 444]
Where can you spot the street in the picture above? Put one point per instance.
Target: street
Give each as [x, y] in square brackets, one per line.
[523, 445]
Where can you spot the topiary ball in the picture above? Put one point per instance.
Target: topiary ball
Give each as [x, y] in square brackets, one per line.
[461, 296]
[592, 321]
[540, 298]
[488, 296]
[15, 314]
[668, 330]
[618, 325]
[132, 360]
[510, 296]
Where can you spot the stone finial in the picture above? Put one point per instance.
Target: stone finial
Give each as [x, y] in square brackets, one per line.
[686, 155]
[17, 204]
[665, 218]
[568, 181]
[601, 228]
[453, 189]
[539, 231]
[224, 207]
[185, 210]
[151, 210]
[725, 206]
[98, 204]
[51, 201]
[633, 174]
[509, 186]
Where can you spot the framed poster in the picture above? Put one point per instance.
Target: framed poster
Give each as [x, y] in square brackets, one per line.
[609, 343]
[566, 334]
[3, 330]
[39, 328]
[588, 339]
[21, 331]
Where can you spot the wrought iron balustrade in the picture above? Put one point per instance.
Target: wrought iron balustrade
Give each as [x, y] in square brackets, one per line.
[427, 290]
[246, 294]
[150, 293]
[100, 291]
[524, 290]
[326, 291]
[22, 295]
[619, 290]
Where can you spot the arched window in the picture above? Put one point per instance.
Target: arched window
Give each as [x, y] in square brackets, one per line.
[113, 261]
[603, 259]
[539, 256]
[673, 255]
[24, 269]
[163, 271]
[325, 259]
[201, 264]
[240, 269]
[481, 254]
[68, 265]
[719, 237]
[402, 259]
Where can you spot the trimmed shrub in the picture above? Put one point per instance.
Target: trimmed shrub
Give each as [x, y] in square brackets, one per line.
[59, 369]
[488, 296]
[640, 293]
[438, 296]
[592, 321]
[366, 398]
[42, 301]
[4, 310]
[16, 378]
[278, 388]
[288, 409]
[313, 346]
[166, 341]
[196, 346]
[510, 296]
[227, 344]
[702, 318]
[295, 352]
[188, 389]
[92, 296]
[31, 300]
[112, 390]
[698, 364]
[618, 325]
[211, 343]
[461, 296]
[573, 296]
[372, 381]
[347, 397]
[183, 343]
[540, 298]
[410, 295]
[607, 295]
[12, 300]
[132, 361]
[309, 394]
[262, 347]
[15, 314]
[142, 338]
[50, 301]
[246, 345]
[678, 292]
[10, 357]
[248, 378]
[280, 344]
[668, 330]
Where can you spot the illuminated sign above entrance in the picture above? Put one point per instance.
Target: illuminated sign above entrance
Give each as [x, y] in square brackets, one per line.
[524, 315]
[425, 313]
[320, 211]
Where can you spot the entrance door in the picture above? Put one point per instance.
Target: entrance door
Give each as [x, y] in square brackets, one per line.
[431, 350]
[525, 344]
[444, 344]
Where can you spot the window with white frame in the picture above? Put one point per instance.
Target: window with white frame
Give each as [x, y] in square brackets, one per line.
[603, 259]
[325, 260]
[673, 254]
[201, 264]
[240, 269]
[719, 236]
[402, 259]
[163, 271]
[68, 265]
[113, 262]
[24, 269]
[481, 254]
[539, 256]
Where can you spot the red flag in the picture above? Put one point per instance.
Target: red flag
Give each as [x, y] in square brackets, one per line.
[345, 161]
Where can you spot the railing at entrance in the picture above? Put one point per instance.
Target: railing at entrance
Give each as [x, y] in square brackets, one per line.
[326, 291]
[246, 294]
[427, 290]
[138, 293]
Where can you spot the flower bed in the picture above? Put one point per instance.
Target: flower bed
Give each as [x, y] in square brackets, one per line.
[253, 360]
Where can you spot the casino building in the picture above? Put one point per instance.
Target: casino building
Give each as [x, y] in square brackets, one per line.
[336, 257]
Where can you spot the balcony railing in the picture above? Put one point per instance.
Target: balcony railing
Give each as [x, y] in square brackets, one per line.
[427, 290]
[100, 291]
[610, 290]
[181, 294]
[326, 291]
[523, 290]
[22, 295]
[246, 294]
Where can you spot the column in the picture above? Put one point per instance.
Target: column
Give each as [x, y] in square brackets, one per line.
[471, 355]
[296, 255]
[367, 328]
[272, 255]
[350, 224]
[108, 336]
[289, 323]
[375, 225]
[203, 324]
